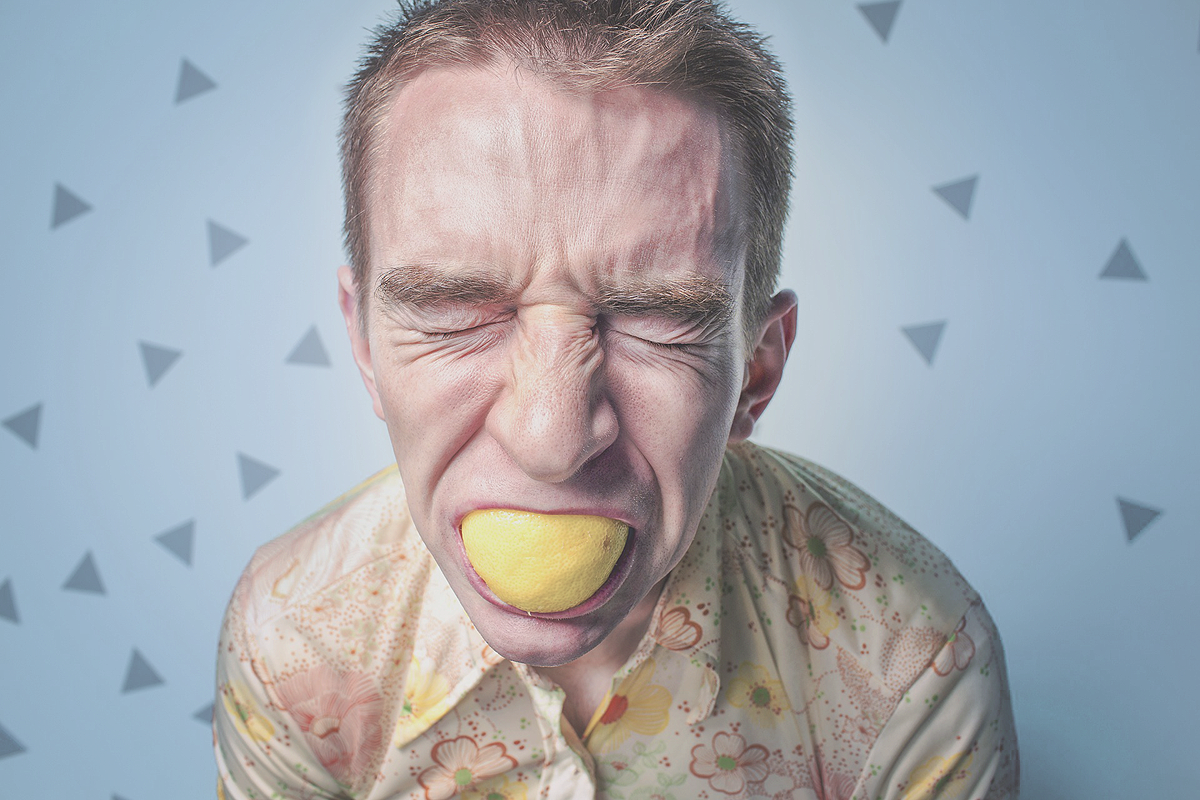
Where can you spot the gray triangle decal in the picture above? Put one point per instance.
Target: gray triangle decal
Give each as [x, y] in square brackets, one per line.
[959, 194]
[926, 338]
[1123, 264]
[8, 602]
[67, 206]
[139, 674]
[9, 746]
[310, 350]
[85, 578]
[117, 797]
[1136, 517]
[881, 16]
[26, 425]
[222, 242]
[204, 715]
[191, 82]
[178, 541]
[157, 360]
[255, 475]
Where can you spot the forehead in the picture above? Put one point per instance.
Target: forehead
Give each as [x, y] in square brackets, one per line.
[495, 167]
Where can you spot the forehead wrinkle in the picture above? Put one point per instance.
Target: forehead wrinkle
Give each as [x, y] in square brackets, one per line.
[631, 149]
[632, 138]
[575, 183]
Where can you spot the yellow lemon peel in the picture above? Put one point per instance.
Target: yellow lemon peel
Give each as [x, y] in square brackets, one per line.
[542, 562]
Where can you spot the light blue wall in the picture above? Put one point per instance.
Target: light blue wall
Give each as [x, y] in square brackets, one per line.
[1052, 391]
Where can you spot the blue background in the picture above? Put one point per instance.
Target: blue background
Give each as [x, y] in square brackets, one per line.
[1052, 390]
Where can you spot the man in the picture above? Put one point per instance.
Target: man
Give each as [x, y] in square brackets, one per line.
[564, 220]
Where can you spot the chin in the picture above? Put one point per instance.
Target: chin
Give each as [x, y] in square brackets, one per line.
[538, 655]
[538, 642]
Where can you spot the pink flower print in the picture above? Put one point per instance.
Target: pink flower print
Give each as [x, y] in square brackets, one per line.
[676, 630]
[830, 785]
[339, 714]
[957, 653]
[826, 546]
[810, 610]
[462, 764]
[729, 764]
[839, 787]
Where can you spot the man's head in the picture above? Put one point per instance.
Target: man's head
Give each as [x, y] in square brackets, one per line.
[548, 308]
[691, 48]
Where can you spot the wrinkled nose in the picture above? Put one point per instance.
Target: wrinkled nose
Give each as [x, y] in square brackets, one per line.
[553, 415]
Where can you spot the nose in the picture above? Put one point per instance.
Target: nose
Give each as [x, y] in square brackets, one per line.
[553, 415]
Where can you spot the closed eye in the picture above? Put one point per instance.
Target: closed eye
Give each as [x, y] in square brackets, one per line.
[673, 346]
[491, 328]
[665, 341]
[440, 336]
[659, 331]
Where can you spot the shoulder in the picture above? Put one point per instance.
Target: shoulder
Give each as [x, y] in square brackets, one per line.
[866, 627]
[320, 631]
[830, 570]
[366, 524]
[341, 643]
[814, 529]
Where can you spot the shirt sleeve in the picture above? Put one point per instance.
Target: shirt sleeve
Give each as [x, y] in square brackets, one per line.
[952, 734]
[260, 752]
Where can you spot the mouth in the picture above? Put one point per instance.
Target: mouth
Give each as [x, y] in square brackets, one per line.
[601, 596]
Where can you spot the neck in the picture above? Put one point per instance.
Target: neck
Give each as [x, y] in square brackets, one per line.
[587, 679]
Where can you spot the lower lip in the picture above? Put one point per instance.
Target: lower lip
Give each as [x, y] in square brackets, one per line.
[601, 596]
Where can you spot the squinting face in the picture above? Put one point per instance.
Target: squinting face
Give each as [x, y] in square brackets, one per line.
[554, 323]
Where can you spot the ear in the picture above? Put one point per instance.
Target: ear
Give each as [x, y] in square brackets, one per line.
[360, 344]
[764, 370]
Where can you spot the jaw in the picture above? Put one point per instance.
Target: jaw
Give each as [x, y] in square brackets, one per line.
[538, 642]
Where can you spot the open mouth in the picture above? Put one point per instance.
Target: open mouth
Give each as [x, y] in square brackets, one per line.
[602, 595]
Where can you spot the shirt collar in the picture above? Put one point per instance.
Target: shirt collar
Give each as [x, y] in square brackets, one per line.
[449, 656]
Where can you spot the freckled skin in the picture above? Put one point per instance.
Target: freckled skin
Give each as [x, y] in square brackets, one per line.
[540, 402]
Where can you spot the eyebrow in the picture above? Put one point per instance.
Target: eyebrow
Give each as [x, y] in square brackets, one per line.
[425, 286]
[692, 299]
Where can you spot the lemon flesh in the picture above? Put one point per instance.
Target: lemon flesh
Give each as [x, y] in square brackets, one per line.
[542, 562]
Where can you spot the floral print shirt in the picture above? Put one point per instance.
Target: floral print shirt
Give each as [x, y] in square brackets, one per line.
[808, 645]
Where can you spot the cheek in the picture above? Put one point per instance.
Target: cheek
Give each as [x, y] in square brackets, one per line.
[677, 409]
[414, 383]
[702, 382]
[432, 406]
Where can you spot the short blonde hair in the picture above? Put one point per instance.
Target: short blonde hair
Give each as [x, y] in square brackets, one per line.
[691, 47]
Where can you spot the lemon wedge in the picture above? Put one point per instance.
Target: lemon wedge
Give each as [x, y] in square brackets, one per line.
[542, 562]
